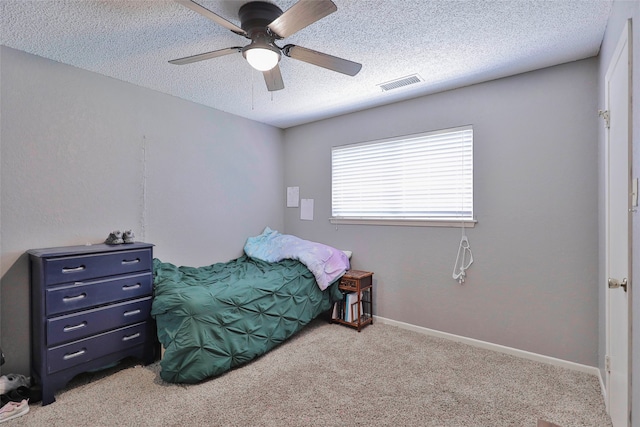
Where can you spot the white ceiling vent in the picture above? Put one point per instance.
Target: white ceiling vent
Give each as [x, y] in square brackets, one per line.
[402, 81]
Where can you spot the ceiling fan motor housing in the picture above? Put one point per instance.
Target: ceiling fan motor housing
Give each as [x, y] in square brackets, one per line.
[255, 16]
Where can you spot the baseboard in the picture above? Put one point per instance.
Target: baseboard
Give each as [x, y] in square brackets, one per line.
[497, 347]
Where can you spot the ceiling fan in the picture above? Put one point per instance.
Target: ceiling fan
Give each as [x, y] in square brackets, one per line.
[264, 23]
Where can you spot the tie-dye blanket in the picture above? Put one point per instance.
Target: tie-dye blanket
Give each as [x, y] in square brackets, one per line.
[326, 263]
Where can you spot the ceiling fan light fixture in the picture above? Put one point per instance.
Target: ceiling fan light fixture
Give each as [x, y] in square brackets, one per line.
[262, 58]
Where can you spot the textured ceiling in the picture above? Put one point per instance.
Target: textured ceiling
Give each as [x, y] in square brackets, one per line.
[447, 43]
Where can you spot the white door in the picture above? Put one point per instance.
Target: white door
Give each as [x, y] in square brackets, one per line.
[617, 188]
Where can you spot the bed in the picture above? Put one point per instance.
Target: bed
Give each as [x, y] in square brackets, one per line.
[214, 318]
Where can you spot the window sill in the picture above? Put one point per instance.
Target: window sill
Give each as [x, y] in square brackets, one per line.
[467, 223]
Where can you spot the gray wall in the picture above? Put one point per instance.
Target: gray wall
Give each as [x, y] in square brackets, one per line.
[83, 154]
[533, 285]
[620, 13]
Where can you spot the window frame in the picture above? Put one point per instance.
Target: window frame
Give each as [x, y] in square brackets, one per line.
[449, 221]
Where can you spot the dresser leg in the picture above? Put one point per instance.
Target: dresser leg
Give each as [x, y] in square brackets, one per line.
[47, 395]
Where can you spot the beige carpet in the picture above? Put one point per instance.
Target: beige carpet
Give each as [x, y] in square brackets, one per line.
[330, 375]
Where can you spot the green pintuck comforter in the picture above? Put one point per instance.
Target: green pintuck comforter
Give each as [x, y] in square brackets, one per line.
[211, 319]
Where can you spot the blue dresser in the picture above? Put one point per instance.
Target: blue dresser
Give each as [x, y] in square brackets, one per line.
[90, 307]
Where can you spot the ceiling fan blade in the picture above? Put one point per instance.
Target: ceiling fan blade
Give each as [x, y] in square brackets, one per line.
[212, 16]
[320, 59]
[273, 79]
[203, 56]
[300, 15]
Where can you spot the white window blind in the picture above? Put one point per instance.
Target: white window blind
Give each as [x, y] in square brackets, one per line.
[427, 176]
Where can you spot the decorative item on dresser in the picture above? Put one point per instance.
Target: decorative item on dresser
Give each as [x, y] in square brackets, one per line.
[90, 307]
[356, 307]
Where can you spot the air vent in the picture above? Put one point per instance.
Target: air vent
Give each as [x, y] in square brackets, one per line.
[398, 83]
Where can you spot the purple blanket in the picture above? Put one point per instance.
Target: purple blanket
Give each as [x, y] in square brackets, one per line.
[326, 263]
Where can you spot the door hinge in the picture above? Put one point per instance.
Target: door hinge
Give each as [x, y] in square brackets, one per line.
[606, 116]
[607, 363]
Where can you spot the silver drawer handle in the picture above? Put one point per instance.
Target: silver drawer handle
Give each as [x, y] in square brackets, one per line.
[73, 269]
[130, 287]
[130, 261]
[73, 328]
[130, 337]
[131, 313]
[72, 355]
[76, 298]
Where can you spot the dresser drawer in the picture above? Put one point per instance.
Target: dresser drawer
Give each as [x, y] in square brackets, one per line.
[72, 354]
[82, 267]
[62, 299]
[75, 326]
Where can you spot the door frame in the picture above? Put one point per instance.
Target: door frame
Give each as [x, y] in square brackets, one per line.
[624, 42]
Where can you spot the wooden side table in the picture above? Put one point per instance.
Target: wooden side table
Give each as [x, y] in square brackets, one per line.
[356, 308]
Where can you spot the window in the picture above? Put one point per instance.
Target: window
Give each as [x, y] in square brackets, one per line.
[423, 179]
